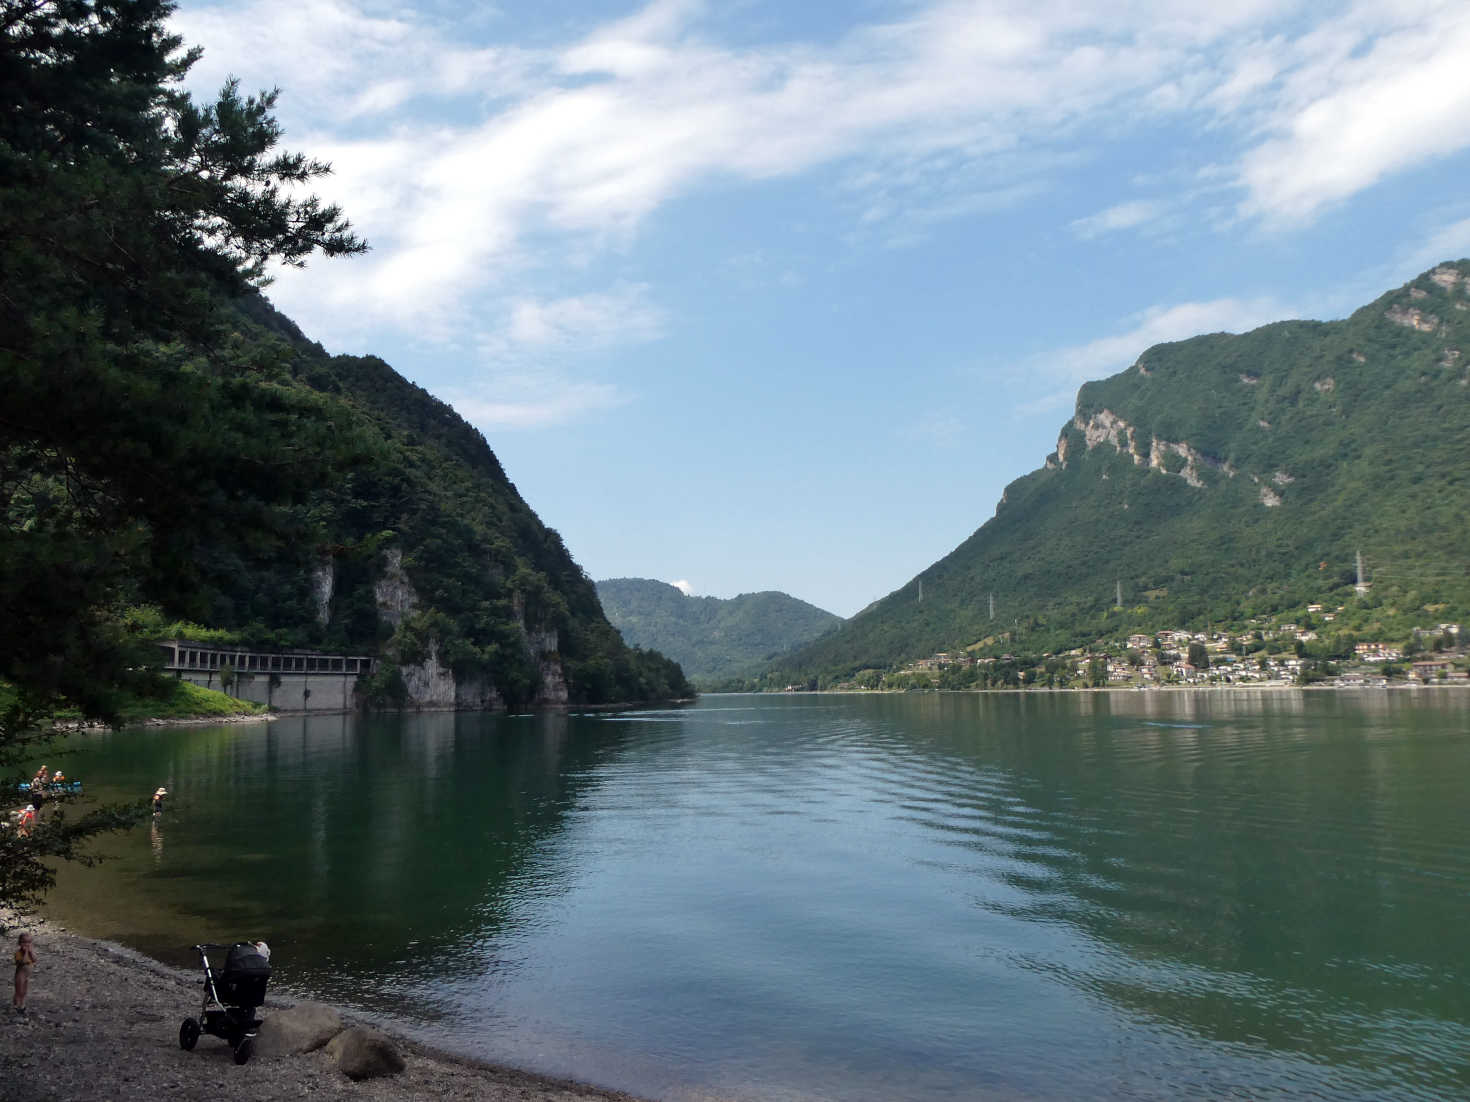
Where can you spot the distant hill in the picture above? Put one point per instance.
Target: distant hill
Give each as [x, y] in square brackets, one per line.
[709, 637]
[1218, 478]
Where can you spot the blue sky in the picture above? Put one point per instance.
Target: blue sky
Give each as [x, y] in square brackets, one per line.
[760, 295]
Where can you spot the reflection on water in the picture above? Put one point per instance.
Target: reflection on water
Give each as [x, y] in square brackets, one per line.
[1132, 895]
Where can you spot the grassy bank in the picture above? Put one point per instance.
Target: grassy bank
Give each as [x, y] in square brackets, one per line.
[187, 701]
[174, 700]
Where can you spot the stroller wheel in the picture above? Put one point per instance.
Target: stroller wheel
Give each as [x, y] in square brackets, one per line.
[188, 1034]
[244, 1050]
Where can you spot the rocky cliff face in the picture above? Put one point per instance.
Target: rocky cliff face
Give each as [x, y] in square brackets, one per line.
[431, 683]
[394, 592]
[323, 584]
[1106, 427]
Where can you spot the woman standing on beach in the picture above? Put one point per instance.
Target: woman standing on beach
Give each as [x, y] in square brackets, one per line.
[25, 960]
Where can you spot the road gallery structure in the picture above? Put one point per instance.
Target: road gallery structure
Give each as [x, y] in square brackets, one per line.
[284, 681]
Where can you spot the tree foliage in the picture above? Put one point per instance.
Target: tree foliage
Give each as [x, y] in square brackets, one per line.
[137, 424]
[170, 442]
[133, 429]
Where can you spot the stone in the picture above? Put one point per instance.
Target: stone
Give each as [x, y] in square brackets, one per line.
[302, 1028]
[365, 1054]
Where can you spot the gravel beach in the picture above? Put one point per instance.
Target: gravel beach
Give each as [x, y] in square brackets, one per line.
[102, 1022]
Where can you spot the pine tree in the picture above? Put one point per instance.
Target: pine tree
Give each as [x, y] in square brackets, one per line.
[131, 423]
[134, 419]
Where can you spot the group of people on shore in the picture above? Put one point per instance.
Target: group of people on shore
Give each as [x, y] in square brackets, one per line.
[45, 783]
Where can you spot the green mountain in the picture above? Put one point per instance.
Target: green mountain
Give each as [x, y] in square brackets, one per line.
[409, 543]
[425, 552]
[711, 638]
[1218, 478]
[172, 449]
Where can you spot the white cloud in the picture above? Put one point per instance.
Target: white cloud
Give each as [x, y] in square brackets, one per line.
[1123, 216]
[1382, 90]
[623, 315]
[592, 137]
[527, 364]
[533, 400]
[586, 141]
[337, 60]
[951, 109]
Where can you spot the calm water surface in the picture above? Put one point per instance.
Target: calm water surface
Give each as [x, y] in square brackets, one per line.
[1145, 895]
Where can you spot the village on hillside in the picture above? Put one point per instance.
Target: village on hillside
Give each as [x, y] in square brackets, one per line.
[1261, 653]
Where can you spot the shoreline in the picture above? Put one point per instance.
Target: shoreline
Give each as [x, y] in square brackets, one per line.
[1272, 686]
[76, 726]
[102, 1021]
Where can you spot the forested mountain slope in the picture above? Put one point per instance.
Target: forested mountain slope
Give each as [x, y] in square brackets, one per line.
[1218, 477]
[173, 448]
[423, 551]
[710, 637]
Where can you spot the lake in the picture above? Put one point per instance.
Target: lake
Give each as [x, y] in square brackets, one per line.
[1020, 896]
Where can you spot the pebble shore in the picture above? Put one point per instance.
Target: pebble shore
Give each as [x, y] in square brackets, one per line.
[102, 1022]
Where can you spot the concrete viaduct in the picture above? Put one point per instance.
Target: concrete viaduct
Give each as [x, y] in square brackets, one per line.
[284, 681]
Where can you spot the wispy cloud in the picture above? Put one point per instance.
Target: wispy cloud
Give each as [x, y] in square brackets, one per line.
[624, 315]
[531, 365]
[1381, 89]
[1123, 216]
[1448, 242]
[533, 400]
[343, 62]
[1068, 368]
[951, 109]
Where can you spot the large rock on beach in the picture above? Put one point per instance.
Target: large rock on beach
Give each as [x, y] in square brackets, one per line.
[303, 1028]
[365, 1054]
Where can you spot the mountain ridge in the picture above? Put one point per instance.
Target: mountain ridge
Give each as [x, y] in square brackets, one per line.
[712, 638]
[1214, 476]
[429, 550]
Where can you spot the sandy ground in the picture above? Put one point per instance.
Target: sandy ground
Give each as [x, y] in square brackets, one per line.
[102, 1022]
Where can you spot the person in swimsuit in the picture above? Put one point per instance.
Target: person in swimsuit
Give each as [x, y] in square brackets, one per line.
[25, 960]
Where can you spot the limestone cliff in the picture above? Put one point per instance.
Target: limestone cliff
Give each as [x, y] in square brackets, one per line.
[1106, 427]
[429, 682]
[393, 591]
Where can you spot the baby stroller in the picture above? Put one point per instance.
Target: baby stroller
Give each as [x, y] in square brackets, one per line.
[231, 998]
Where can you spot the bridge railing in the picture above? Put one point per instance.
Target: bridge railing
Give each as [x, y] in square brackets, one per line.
[183, 655]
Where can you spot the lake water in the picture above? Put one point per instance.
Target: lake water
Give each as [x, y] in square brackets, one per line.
[1045, 896]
